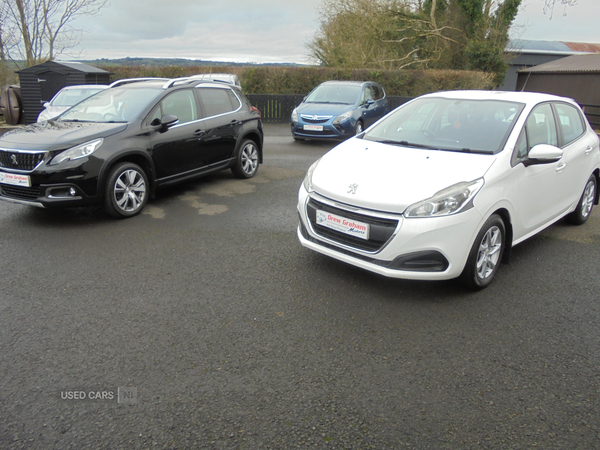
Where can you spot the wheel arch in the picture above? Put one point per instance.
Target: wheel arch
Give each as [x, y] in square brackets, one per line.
[596, 173]
[505, 216]
[136, 157]
[254, 136]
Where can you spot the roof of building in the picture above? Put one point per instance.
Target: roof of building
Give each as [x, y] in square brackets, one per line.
[551, 47]
[64, 66]
[576, 63]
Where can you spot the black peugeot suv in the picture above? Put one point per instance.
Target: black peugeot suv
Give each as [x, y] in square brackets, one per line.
[120, 145]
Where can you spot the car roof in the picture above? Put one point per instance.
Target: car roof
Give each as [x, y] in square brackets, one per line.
[169, 83]
[85, 86]
[359, 83]
[221, 77]
[519, 97]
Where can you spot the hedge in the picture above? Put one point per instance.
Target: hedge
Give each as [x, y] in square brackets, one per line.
[301, 80]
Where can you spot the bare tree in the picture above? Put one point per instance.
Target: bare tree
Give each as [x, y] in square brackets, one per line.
[550, 4]
[45, 26]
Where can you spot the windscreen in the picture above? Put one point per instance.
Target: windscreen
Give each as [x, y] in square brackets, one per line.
[120, 104]
[70, 97]
[334, 93]
[480, 126]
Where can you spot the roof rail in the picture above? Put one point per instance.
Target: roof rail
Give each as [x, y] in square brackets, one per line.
[173, 81]
[133, 80]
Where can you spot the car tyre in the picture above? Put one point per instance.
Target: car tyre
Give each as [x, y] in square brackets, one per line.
[126, 190]
[586, 203]
[359, 127]
[247, 161]
[485, 255]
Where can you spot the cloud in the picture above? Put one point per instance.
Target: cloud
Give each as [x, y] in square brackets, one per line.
[229, 30]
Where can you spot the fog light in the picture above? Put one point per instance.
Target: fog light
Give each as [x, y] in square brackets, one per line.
[65, 192]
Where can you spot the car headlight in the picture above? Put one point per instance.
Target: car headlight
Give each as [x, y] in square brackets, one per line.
[77, 152]
[307, 183]
[339, 119]
[294, 115]
[451, 200]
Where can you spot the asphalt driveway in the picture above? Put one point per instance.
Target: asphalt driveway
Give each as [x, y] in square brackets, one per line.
[202, 323]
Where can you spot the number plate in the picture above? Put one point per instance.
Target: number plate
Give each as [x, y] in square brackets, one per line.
[313, 127]
[15, 180]
[343, 225]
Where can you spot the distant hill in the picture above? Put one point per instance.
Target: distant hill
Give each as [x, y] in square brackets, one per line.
[180, 62]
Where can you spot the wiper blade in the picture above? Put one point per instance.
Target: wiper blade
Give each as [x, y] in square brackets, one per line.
[408, 144]
[470, 150]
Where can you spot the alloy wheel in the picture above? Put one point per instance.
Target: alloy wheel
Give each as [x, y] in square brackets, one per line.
[489, 252]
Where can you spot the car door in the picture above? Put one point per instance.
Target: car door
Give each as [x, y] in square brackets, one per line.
[222, 123]
[177, 150]
[537, 190]
[368, 105]
[577, 151]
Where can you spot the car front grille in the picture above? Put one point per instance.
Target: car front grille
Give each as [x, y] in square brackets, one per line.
[381, 230]
[20, 161]
[317, 133]
[21, 193]
[315, 119]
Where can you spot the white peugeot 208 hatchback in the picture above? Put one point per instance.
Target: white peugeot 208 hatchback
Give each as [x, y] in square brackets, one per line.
[445, 185]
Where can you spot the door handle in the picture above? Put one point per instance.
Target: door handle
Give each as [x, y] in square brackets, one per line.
[235, 123]
[560, 167]
[199, 133]
[589, 150]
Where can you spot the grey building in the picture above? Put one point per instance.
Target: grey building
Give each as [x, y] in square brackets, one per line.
[526, 53]
[576, 77]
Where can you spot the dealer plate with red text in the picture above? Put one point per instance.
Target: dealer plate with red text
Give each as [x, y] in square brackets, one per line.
[343, 225]
[15, 179]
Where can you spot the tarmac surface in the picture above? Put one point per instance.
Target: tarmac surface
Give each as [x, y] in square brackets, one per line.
[202, 323]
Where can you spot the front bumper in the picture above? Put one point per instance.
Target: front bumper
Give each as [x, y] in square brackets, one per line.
[419, 249]
[324, 130]
[68, 185]
[47, 196]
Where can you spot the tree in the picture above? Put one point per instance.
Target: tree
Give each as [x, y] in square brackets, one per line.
[42, 29]
[550, 4]
[396, 34]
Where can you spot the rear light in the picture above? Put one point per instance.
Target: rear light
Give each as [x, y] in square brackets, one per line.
[255, 109]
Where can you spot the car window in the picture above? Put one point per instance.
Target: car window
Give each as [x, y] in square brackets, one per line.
[368, 94]
[449, 124]
[112, 105]
[540, 126]
[70, 97]
[181, 104]
[346, 94]
[218, 101]
[569, 121]
[521, 149]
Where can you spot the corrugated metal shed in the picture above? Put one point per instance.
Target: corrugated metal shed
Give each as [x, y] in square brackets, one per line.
[520, 46]
[575, 63]
[39, 83]
[527, 53]
[576, 77]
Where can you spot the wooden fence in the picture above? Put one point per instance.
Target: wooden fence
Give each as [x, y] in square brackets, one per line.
[278, 108]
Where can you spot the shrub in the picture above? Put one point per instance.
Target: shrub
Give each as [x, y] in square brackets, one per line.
[302, 79]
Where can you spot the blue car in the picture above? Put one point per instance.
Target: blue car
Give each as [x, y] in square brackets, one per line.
[339, 110]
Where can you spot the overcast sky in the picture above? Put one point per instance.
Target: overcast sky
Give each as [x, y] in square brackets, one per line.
[268, 31]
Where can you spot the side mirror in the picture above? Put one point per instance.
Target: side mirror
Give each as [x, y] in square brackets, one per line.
[46, 104]
[165, 122]
[543, 154]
